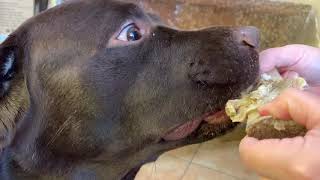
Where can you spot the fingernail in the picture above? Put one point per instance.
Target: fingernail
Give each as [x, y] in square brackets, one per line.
[263, 112]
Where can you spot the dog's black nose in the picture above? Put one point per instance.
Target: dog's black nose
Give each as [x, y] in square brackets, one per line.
[248, 35]
[225, 55]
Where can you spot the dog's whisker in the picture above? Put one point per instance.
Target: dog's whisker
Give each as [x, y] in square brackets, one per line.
[59, 131]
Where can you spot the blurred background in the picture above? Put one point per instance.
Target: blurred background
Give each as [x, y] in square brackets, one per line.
[280, 21]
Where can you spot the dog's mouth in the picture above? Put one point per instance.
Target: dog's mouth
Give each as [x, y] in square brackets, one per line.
[205, 125]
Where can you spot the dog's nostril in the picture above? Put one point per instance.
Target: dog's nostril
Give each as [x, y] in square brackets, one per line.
[248, 35]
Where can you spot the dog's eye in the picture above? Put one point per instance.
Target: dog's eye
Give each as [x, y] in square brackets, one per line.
[130, 33]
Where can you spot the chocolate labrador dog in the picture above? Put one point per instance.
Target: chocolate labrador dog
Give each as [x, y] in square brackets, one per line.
[93, 89]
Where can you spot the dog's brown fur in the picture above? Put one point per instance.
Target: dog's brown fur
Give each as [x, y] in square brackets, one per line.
[77, 103]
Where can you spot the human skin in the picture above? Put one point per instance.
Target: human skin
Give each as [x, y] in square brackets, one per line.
[289, 158]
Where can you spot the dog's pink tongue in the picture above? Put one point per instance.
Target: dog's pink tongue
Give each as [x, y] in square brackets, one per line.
[183, 130]
[187, 128]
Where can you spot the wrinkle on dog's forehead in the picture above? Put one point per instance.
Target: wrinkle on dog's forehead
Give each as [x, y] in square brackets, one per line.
[90, 31]
[83, 40]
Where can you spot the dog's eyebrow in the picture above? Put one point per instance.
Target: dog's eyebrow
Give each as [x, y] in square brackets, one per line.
[134, 10]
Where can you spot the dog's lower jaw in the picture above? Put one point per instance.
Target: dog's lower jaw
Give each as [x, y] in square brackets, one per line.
[126, 164]
[198, 136]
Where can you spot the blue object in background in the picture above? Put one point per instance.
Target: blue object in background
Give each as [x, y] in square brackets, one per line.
[2, 37]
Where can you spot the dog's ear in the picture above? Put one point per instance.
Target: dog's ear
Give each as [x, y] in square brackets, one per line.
[8, 64]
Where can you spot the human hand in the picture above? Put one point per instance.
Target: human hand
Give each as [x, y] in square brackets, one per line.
[292, 60]
[290, 158]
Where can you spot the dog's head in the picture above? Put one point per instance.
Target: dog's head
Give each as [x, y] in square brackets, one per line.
[103, 81]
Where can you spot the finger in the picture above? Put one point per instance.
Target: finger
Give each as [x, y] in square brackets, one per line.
[281, 57]
[296, 105]
[314, 90]
[302, 59]
[298, 58]
[289, 158]
[270, 158]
